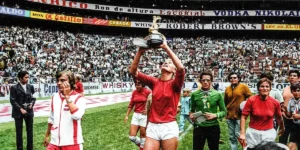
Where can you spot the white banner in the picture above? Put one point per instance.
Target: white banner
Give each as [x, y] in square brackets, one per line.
[5, 91]
[91, 88]
[196, 26]
[47, 90]
[223, 85]
[169, 12]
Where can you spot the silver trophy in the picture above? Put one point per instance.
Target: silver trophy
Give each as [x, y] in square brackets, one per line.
[154, 39]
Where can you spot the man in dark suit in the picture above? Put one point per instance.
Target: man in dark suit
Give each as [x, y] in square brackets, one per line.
[22, 101]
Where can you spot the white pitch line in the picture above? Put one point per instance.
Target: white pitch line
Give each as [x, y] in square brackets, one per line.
[185, 132]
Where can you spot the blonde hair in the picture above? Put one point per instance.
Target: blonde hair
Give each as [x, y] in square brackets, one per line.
[71, 78]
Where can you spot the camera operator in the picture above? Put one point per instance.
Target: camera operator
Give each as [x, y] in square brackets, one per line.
[22, 103]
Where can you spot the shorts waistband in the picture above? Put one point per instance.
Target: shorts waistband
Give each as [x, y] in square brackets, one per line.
[163, 122]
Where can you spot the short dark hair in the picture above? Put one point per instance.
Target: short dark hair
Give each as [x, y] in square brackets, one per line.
[295, 86]
[267, 75]
[135, 80]
[262, 81]
[70, 75]
[22, 74]
[208, 73]
[232, 73]
[294, 71]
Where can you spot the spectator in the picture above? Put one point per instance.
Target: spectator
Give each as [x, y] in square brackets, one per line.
[235, 94]
[262, 108]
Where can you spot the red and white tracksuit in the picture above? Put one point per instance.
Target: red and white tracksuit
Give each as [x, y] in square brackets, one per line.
[66, 125]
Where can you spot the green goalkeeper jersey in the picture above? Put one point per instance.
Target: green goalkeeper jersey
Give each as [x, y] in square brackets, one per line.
[208, 101]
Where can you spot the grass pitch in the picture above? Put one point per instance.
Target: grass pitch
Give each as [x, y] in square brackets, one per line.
[103, 129]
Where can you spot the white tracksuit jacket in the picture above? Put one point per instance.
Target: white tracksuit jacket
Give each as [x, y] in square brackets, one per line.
[66, 126]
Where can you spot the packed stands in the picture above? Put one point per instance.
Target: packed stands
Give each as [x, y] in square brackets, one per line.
[43, 52]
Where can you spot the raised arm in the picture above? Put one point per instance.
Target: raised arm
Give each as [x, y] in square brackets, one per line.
[134, 66]
[172, 55]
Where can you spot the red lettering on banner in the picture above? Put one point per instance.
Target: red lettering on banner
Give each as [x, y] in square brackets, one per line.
[91, 102]
[124, 85]
[105, 85]
[71, 4]
[83, 5]
[4, 115]
[4, 109]
[103, 100]
[54, 2]
[63, 3]
[181, 13]
[37, 108]
[131, 84]
[119, 85]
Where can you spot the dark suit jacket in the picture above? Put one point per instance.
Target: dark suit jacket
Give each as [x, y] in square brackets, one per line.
[18, 97]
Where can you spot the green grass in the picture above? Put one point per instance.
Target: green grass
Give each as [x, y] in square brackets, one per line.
[103, 129]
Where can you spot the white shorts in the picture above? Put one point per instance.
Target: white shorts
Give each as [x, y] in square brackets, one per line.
[139, 119]
[162, 131]
[255, 137]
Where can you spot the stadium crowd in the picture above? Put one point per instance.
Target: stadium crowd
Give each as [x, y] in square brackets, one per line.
[106, 58]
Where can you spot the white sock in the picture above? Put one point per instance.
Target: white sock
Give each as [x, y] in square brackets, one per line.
[143, 140]
[135, 140]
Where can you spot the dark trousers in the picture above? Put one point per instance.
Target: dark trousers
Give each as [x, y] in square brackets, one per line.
[19, 131]
[211, 134]
[287, 124]
[289, 127]
[275, 124]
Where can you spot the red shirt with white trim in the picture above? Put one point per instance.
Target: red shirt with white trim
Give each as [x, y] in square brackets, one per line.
[261, 112]
[66, 126]
[139, 99]
[165, 96]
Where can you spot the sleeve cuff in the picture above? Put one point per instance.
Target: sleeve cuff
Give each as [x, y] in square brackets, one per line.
[74, 111]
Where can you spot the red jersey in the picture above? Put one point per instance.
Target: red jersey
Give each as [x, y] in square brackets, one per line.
[139, 99]
[79, 87]
[261, 112]
[165, 96]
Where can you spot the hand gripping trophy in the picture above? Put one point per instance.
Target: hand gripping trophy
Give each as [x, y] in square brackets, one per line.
[154, 39]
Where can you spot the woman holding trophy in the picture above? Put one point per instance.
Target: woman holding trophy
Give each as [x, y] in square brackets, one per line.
[162, 129]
